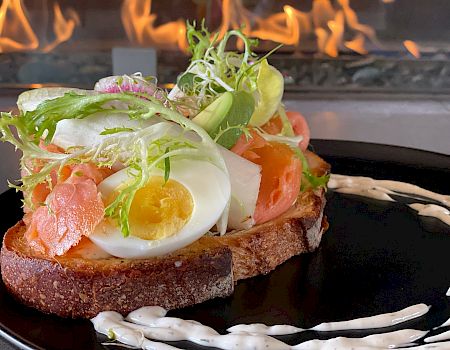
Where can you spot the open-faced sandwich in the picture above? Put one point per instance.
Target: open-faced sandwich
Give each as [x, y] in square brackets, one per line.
[135, 197]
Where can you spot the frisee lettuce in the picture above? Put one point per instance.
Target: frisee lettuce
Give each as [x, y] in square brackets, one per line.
[140, 150]
[213, 70]
[313, 181]
[110, 131]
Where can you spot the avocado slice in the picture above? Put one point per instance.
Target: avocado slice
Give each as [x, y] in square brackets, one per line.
[231, 109]
[213, 115]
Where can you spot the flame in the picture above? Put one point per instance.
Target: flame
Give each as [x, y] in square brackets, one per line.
[62, 27]
[283, 28]
[138, 22]
[327, 21]
[337, 31]
[322, 12]
[412, 48]
[322, 36]
[234, 15]
[353, 22]
[324, 21]
[286, 27]
[17, 34]
[357, 44]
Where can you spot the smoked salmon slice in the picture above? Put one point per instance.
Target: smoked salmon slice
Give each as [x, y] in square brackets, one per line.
[68, 211]
[281, 174]
[299, 125]
[73, 210]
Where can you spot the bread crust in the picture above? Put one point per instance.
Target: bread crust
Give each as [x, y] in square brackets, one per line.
[77, 287]
[262, 248]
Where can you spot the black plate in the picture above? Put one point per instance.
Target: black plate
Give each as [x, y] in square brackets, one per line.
[376, 257]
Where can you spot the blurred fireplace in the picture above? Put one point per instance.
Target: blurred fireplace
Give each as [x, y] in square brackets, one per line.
[329, 45]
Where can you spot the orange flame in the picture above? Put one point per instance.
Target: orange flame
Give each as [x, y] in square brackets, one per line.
[325, 21]
[62, 27]
[337, 31]
[412, 47]
[139, 26]
[287, 27]
[16, 33]
[357, 44]
[283, 28]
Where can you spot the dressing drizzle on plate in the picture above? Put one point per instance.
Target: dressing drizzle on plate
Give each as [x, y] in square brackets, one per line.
[385, 189]
[151, 322]
[145, 327]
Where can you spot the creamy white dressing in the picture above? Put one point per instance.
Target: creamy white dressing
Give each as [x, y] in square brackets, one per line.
[377, 321]
[384, 189]
[389, 340]
[432, 210]
[438, 337]
[260, 328]
[151, 322]
[445, 324]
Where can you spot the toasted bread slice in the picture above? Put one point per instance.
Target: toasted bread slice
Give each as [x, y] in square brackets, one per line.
[74, 285]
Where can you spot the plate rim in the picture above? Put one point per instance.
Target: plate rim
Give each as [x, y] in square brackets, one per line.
[20, 342]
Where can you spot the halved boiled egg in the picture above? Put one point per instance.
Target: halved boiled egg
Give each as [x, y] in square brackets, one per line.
[165, 217]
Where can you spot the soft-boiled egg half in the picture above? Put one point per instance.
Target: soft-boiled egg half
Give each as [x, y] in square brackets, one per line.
[167, 216]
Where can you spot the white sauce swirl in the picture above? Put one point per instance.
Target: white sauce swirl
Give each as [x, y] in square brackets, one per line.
[438, 337]
[445, 324]
[383, 189]
[432, 210]
[151, 322]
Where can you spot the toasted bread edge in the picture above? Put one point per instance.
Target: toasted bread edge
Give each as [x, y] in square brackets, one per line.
[206, 269]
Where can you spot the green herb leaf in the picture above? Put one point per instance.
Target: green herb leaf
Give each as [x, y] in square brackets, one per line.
[110, 131]
[199, 40]
[213, 70]
[313, 180]
[70, 106]
[111, 335]
[237, 118]
[166, 167]
[186, 81]
[287, 129]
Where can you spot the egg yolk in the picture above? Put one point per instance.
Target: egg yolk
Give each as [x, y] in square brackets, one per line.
[159, 209]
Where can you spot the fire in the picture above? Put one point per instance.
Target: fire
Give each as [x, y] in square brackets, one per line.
[17, 34]
[138, 21]
[357, 44]
[328, 21]
[325, 21]
[62, 27]
[287, 27]
[412, 47]
[283, 28]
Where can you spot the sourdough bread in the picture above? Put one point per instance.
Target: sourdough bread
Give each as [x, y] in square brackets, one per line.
[76, 286]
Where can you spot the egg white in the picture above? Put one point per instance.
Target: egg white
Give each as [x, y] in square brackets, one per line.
[210, 189]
